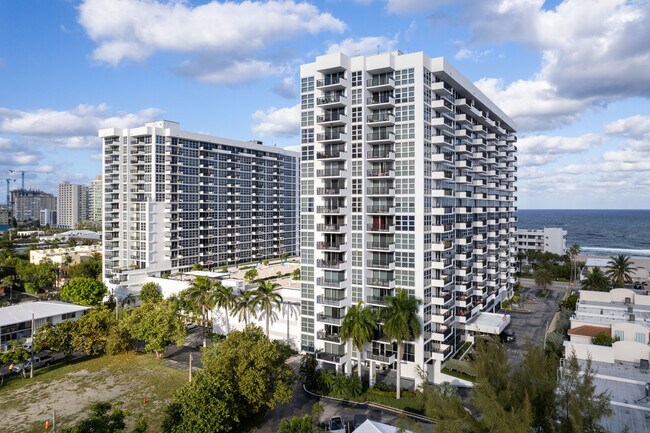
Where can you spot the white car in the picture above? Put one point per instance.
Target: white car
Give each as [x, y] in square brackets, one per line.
[337, 425]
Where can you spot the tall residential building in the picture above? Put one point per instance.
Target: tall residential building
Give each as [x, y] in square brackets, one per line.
[48, 218]
[173, 199]
[546, 240]
[28, 203]
[95, 199]
[407, 181]
[72, 205]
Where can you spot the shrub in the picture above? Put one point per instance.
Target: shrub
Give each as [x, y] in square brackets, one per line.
[603, 339]
[463, 367]
[384, 387]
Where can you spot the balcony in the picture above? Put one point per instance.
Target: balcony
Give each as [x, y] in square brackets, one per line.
[380, 209]
[323, 335]
[332, 119]
[377, 357]
[375, 300]
[331, 172]
[380, 173]
[380, 154]
[379, 137]
[329, 357]
[380, 83]
[321, 317]
[332, 137]
[332, 101]
[380, 282]
[380, 190]
[333, 302]
[386, 265]
[380, 101]
[335, 210]
[381, 246]
[332, 154]
[381, 228]
[330, 264]
[329, 191]
[331, 83]
[381, 119]
[330, 246]
[322, 281]
[330, 228]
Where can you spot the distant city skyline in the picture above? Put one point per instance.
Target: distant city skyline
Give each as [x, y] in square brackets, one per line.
[574, 75]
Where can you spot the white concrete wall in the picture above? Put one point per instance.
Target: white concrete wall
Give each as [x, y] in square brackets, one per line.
[629, 330]
[584, 351]
[630, 351]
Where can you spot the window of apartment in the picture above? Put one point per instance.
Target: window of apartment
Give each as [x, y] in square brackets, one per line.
[357, 168]
[357, 222]
[307, 272]
[357, 78]
[307, 101]
[307, 169]
[357, 96]
[307, 187]
[357, 240]
[405, 186]
[405, 131]
[307, 204]
[409, 352]
[307, 290]
[306, 84]
[405, 223]
[357, 276]
[307, 239]
[405, 76]
[404, 241]
[620, 335]
[404, 278]
[405, 149]
[307, 135]
[357, 114]
[357, 294]
[640, 337]
[405, 168]
[405, 113]
[306, 307]
[404, 260]
[307, 153]
[357, 258]
[307, 118]
[307, 325]
[404, 95]
[357, 132]
[307, 222]
[357, 204]
[356, 186]
[357, 150]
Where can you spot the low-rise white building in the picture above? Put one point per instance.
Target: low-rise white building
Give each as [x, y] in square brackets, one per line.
[547, 240]
[622, 314]
[59, 256]
[16, 320]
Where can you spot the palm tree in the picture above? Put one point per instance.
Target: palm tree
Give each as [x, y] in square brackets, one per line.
[401, 322]
[245, 306]
[620, 270]
[224, 298]
[596, 280]
[573, 252]
[201, 294]
[543, 277]
[359, 326]
[266, 297]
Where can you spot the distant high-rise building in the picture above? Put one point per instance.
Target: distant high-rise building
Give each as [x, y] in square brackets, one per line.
[5, 218]
[95, 199]
[27, 204]
[48, 217]
[407, 182]
[173, 199]
[72, 205]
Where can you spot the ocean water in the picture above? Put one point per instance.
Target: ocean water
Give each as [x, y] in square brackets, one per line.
[598, 232]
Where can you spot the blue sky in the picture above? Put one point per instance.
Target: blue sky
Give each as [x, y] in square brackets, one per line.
[574, 74]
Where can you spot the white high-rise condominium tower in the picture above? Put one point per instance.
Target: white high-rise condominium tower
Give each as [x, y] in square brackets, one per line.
[71, 205]
[173, 199]
[95, 200]
[408, 181]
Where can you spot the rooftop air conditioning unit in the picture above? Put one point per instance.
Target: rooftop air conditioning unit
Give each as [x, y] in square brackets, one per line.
[631, 318]
[628, 301]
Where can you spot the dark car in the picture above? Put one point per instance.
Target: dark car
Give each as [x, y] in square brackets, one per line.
[507, 336]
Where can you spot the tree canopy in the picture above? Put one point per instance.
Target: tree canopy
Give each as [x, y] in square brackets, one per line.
[150, 293]
[620, 270]
[359, 326]
[596, 280]
[157, 324]
[91, 268]
[84, 291]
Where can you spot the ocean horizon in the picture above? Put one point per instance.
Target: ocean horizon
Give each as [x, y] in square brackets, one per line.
[599, 232]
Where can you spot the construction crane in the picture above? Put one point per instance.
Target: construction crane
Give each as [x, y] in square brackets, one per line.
[22, 177]
[8, 193]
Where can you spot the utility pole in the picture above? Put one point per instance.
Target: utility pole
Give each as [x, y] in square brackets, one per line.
[31, 364]
[54, 421]
[190, 368]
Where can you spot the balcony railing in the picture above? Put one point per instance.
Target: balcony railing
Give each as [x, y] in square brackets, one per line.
[328, 191]
[334, 302]
[329, 155]
[380, 282]
[380, 154]
[329, 227]
[329, 100]
[381, 99]
[384, 264]
[381, 118]
[380, 209]
[380, 136]
[331, 357]
[330, 283]
[328, 172]
[380, 81]
[329, 209]
[333, 135]
[322, 335]
[382, 246]
[375, 300]
[382, 228]
[329, 319]
[380, 358]
[380, 173]
[330, 246]
[380, 190]
[330, 264]
[330, 81]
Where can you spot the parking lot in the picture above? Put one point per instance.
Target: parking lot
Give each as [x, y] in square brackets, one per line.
[532, 317]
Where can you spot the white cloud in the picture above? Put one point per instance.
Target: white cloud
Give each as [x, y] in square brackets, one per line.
[364, 46]
[637, 127]
[287, 88]
[277, 122]
[234, 31]
[294, 148]
[558, 145]
[468, 54]
[69, 125]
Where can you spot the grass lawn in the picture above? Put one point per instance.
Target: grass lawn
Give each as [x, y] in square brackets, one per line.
[124, 380]
[409, 401]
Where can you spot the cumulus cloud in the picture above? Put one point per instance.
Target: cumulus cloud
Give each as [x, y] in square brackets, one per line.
[635, 127]
[287, 88]
[404, 7]
[542, 149]
[364, 46]
[277, 122]
[469, 54]
[137, 29]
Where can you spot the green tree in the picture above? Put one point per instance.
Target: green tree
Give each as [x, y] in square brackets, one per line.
[201, 294]
[401, 323]
[15, 354]
[543, 277]
[358, 327]
[579, 406]
[150, 293]
[308, 370]
[300, 424]
[100, 420]
[245, 306]
[91, 268]
[595, 280]
[197, 267]
[36, 277]
[225, 298]
[56, 337]
[84, 291]
[266, 297]
[250, 275]
[92, 330]
[573, 253]
[620, 270]
[157, 324]
[603, 339]
[295, 274]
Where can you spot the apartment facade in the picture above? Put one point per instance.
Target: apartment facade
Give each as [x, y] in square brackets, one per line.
[27, 204]
[72, 205]
[407, 181]
[96, 199]
[173, 199]
[547, 240]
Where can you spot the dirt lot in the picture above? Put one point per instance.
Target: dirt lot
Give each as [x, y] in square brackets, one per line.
[124, 380]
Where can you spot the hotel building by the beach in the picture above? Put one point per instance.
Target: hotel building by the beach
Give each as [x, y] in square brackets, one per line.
[407, 181]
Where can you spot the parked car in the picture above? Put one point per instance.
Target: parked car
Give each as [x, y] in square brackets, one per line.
[190, 326]
[337, 425]
[38, 362]
[507, 336]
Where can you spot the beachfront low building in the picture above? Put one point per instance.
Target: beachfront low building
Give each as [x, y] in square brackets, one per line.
[16, 320]
[639, 273]
[546, 240]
